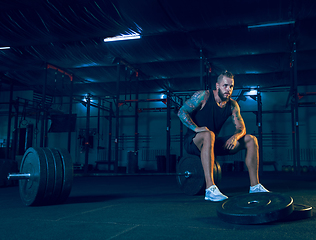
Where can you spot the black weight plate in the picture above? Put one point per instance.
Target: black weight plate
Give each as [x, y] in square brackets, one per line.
[32, 190]
[255, 208]
[301, 211]
[217, 172]
[195, 183]
[58, 182]
[67, 166]
[50, 179]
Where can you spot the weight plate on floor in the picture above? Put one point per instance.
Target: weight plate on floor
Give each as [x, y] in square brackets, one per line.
[50, 176]
[67, 167]
[58, 182]
[195, 183]
[32, 190]
[217, 172]
[255, 208]
[301, 211]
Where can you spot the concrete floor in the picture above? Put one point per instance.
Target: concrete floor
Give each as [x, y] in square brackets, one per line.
[150, 207]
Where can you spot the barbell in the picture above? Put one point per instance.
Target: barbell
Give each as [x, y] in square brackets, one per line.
[46, 176]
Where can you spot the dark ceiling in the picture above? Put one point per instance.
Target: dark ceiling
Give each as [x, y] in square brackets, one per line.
[68, 35]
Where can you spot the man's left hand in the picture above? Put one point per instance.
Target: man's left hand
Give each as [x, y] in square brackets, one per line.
[231, 143]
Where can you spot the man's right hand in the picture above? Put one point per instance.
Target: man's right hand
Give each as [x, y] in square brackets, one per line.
[201, 129]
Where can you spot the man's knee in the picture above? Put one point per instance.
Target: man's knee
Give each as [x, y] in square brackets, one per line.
[207, 136]
[204, 139]
[251, 141]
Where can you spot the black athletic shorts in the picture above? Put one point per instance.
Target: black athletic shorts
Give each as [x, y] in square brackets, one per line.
[219, 149]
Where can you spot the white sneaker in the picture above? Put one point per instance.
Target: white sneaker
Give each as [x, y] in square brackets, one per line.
[258, 188]
[213, 194]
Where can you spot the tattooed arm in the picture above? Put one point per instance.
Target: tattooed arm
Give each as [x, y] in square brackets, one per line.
[197, 101]
[239, 125]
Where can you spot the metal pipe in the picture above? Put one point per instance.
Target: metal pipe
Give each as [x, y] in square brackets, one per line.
[297, 136]
[87, 143]
[293, 135]
[70, 112]
[307, 94]
[15, 134]
[187, 174]
[110, 136]
[46, 129]
[201, 69]
[259, 102]
[168, 132]
[143, 100]
[136, 120]
[43, 112]
[117, 122]
[9, 123]
[98, 122]
[181, 134]
[18, 176]
[263, 112]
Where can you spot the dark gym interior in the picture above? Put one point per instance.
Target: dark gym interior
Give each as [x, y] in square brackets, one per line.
[98, 117]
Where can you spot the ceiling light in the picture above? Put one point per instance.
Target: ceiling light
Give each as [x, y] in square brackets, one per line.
[122, 37]
[271, 24]
[4, 48]
[252, 72]
[252, 92]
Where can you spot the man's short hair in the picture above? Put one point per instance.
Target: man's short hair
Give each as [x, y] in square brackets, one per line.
[225, 74]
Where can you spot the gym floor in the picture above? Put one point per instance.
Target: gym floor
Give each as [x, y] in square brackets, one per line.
[151, 207]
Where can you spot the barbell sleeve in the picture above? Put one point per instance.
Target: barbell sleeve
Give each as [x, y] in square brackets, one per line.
[186, 174]
[18, 176]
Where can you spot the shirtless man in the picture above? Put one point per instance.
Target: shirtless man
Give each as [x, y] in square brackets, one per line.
[204, 115]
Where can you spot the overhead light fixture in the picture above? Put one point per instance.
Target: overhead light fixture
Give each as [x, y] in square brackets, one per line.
[271, 24]
[252, 72]
[253, 92]
[122, 37]
[4, 48]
